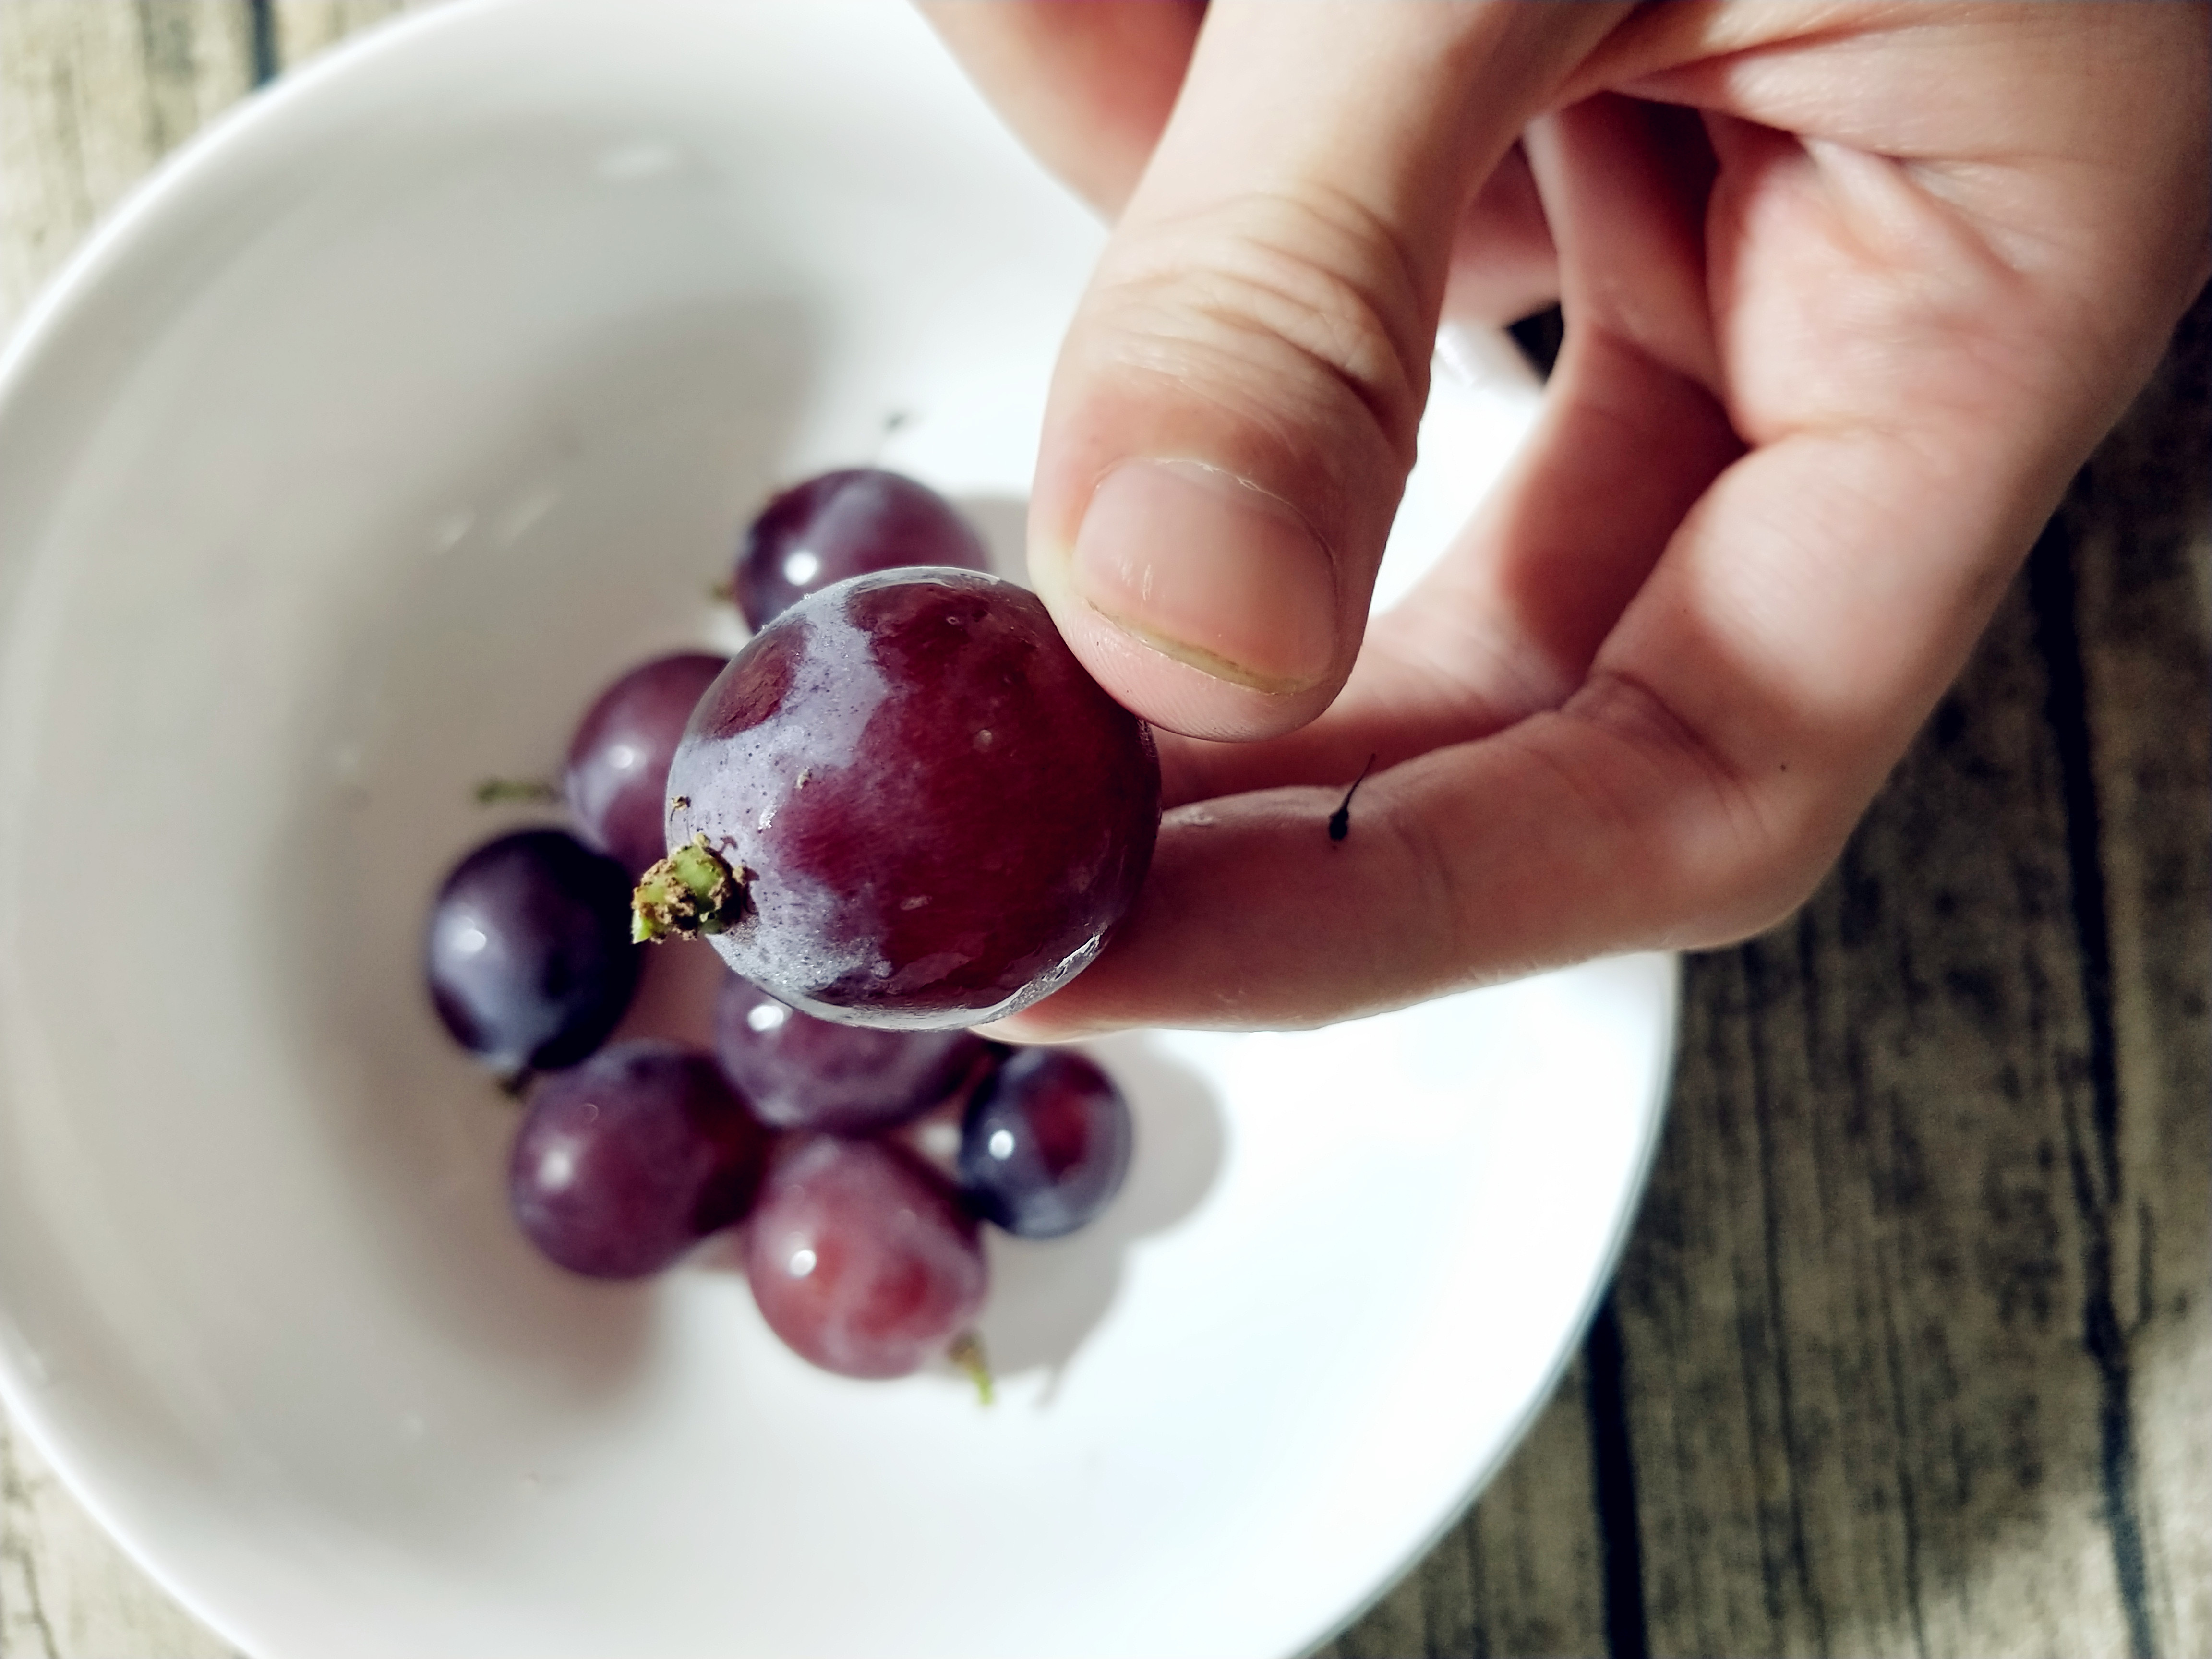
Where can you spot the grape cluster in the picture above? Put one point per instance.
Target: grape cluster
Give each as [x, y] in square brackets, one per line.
[983, 778]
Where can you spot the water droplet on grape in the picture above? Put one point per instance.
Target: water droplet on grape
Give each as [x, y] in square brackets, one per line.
[801, 1264]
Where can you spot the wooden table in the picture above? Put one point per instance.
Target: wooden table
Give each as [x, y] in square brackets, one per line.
[1912, 1351]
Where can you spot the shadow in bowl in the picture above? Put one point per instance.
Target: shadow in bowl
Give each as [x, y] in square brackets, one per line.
[1049, 1295]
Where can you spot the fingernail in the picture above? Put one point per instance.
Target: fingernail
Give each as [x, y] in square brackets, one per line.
[1195, 562]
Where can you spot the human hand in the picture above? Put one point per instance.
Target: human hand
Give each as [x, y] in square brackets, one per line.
[1850, 291]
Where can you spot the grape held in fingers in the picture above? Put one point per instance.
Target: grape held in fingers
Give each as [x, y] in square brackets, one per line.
[905, 804]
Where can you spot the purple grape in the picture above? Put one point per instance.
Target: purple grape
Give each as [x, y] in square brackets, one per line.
[529, 955]
[861, 1260]
[1045, 1144]
[623, 1164]
[801, 1073]
[846, 524]
[918, 810]
[617, 777]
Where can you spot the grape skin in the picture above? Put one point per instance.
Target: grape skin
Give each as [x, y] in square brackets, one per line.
[1045, 1145]
[937, 813]
[617, 779]
[842, 524]
[623, 1164]
[861, 1260]
[528, 956]
[801, 1073]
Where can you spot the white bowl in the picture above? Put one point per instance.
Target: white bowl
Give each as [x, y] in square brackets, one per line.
[404, 409]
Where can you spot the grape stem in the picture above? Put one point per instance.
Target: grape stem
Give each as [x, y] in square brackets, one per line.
[1340, 821]
[690, 892]
[536, 792]
[967, 1353]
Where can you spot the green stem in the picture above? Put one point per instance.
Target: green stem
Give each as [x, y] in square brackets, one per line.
[690, 892]
[967, 1353]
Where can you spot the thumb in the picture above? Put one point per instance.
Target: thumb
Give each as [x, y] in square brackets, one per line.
[1234, 411]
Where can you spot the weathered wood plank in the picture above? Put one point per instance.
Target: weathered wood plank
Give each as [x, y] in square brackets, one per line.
[2138, 533]
[304, 27]
[91, 96]
[1520, 1574]
[1876, 1400]
[66, 1592]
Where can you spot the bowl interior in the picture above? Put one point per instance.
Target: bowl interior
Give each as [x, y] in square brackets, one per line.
[409, 408]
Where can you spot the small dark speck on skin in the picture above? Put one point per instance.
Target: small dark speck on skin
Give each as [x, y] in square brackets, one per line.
[1340, 821]
[677, 803]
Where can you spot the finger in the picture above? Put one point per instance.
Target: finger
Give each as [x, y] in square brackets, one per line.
[1234, 411]
[1504, 266]
[1086, 88]
[1801, 623]
[1631, 436]
[1691, 792]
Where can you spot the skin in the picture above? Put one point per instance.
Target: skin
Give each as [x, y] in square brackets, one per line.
[1851, 290]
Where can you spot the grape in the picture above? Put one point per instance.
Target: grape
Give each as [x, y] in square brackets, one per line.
[623, 1164]
[1045, 1144]
[860, 1259]
[617, 777]
[846, 524]
[528, 957]
[801, 1073]
[917, 809]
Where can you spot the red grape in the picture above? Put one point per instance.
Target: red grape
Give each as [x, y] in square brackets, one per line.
[801, 1073]
[928, 813]
[529, 955]
[618, 776]
[1045, 1144]
[860, 1259]
[846, 524]
[623, 1164]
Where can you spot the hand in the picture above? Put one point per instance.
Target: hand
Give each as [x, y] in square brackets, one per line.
[1850, 291]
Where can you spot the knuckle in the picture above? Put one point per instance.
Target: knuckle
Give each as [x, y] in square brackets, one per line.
[1721, 852]
[1272, 298]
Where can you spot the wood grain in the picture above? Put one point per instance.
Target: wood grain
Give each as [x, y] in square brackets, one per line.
[91, 96]
[1521, 1573]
